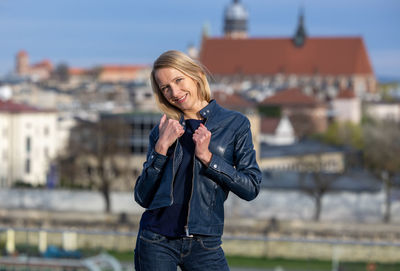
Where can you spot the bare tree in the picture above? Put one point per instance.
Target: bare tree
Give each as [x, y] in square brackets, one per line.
[98, 154]
[382, 155]
[315, 181]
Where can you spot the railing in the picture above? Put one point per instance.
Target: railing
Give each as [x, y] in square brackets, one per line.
[335, 250]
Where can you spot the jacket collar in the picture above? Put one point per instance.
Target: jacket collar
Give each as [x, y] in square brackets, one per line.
[206, 112]
[209, 109]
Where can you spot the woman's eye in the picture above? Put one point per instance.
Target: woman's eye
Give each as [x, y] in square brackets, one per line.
[178, 80]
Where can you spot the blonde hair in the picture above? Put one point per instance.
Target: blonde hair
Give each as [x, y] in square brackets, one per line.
[187, 66]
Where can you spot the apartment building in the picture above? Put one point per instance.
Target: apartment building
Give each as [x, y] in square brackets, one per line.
[28, 142]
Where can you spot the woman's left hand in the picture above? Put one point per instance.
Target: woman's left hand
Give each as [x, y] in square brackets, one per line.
[201, 138]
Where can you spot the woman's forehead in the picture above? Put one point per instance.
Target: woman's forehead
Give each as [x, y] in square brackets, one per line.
[166, 74]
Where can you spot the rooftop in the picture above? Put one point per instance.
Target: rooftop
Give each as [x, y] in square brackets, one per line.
[297, 149]
[12, 107]
[231, 101]
[268, 56]
[269, 125]
[292, 96]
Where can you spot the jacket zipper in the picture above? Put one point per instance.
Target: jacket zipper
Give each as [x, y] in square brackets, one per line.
[173, 174]
[190, 199]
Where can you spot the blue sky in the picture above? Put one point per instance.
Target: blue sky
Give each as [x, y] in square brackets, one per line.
[84, 33]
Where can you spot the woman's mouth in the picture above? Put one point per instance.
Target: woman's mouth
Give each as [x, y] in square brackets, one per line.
[180, 100]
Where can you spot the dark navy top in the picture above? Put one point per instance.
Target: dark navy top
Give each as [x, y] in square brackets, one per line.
[170, 221]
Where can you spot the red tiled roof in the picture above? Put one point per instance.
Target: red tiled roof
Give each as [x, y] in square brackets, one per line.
[43, 64]
[11, 107]
[120, 68]
[346, 94]
[22, 53]
[266, 56]
[77, 71]
[269, 125]
[292, 96]
[231, 101]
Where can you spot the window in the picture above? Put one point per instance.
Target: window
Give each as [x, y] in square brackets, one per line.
[27, 166]
[28, 144]
[46, 131]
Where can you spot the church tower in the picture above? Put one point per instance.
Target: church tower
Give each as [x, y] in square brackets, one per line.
[22, 63]
[300, 36]
[235, 21]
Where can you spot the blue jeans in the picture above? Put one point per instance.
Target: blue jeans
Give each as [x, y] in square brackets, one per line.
[155, 252]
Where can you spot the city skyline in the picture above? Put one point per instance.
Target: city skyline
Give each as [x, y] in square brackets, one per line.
[89, 33]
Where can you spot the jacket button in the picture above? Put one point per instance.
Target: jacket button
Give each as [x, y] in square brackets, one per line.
[215, 165]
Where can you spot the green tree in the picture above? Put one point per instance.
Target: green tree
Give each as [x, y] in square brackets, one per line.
[344, 134]
[379, 144]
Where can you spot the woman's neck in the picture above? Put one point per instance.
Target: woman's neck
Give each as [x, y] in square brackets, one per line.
[195, 112]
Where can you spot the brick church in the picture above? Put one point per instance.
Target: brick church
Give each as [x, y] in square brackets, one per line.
[319, 66]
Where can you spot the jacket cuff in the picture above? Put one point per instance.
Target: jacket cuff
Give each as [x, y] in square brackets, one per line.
[157, 160]
[217, 166]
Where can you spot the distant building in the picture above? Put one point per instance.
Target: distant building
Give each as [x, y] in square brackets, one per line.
[307, 114]
[127, 160]
[277, 131]
[28, 142]
[38, 71]
[79, 74]
[120, 73]
[389, 111]
[303, 156]
[34, 95]
[346, 107]
[233, 101]
[235, 21]
[323, 65]
[111, 73]
[141, 124]
[141, 96]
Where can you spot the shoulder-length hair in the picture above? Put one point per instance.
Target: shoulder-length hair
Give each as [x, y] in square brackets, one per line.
[187, 66]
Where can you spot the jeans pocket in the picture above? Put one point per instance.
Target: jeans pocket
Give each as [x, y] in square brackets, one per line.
[151, 237]
[210, 242]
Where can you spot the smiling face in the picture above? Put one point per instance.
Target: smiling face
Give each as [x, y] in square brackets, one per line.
[180, 91]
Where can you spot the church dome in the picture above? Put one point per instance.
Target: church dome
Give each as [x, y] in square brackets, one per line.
[235, 21]
[236, 11]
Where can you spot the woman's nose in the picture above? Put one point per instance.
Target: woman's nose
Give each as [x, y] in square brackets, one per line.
[174, 90]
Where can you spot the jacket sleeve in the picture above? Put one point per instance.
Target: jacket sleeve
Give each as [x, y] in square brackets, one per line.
[244, 177]
[148, 182]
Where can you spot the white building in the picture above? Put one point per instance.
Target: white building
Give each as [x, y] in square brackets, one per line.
[277, 131]
[383, 111]
[28, 142]
[347, 107]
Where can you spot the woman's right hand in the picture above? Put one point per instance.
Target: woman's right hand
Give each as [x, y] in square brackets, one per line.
[169, 131]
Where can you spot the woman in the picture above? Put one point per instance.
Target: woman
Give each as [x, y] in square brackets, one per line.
[197, 154]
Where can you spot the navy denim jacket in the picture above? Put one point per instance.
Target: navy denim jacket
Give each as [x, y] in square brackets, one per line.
[233, 167]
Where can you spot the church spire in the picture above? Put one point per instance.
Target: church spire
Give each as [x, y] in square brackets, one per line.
[300, 36]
